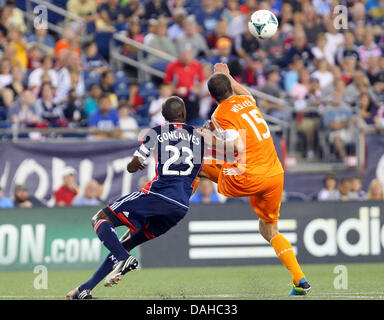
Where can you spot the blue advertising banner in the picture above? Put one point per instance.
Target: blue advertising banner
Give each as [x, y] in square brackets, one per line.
[39, 165]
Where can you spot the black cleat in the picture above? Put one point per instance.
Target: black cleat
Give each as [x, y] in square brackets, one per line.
[75, 294]
[119, 269]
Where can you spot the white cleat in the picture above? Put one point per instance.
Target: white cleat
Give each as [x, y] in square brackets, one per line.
[120, 268]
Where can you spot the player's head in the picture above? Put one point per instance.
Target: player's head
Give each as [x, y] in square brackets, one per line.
[220, 87]
[173, 109]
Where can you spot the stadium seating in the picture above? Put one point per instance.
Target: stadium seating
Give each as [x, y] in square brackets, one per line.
[148, 91]
[122, 90]
[91, 77]
[285, 42]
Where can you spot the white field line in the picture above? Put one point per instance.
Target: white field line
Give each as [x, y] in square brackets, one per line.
[329, 296]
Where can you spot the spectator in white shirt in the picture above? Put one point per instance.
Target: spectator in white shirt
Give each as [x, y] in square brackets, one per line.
[322, 74]
[69, 76]
[177, 28]
[35, 78]
[128, 124]
[321, 50]
[335, 39]
[329, 192]
[151, 31]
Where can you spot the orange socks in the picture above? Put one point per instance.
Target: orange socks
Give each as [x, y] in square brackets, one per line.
[286, 255]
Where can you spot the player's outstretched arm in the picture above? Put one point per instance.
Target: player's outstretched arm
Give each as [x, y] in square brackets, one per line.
[238, 89]
[219, 144]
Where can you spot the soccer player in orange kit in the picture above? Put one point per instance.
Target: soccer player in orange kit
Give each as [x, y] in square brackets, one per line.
[238, 128]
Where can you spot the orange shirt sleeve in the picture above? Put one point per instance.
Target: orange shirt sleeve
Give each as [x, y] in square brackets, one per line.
[222, 121]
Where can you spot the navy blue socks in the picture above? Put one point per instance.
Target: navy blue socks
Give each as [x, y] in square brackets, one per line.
[107, 234]
[105, 268]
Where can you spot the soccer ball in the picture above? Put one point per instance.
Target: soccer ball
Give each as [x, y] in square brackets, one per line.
[263, 24]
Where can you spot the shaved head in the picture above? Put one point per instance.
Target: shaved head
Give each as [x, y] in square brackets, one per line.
[173, 109]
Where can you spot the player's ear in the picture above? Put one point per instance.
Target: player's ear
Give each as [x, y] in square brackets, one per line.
[184, 114]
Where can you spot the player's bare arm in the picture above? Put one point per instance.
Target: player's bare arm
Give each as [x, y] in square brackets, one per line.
[238, 89]
[215, 142]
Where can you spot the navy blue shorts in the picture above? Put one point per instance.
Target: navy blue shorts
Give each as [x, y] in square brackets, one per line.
[138, 210]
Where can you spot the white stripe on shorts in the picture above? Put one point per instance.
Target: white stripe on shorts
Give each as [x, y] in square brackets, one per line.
[129, 197]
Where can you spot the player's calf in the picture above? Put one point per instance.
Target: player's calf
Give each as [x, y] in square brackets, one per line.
[268, 231]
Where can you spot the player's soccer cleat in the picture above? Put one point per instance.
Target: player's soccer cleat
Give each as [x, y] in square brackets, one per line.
[302, 289]
[119, 269]
[75, 294]
[110, 281]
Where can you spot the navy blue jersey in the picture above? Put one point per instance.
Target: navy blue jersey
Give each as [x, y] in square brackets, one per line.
[179, 153]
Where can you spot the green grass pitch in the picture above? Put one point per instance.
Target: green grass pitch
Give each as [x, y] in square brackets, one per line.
[364, 281]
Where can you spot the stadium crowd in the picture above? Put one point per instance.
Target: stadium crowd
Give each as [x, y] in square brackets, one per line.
[333, 75]
[330, 74]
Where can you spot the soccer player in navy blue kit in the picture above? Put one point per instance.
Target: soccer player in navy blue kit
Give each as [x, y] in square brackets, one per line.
[156, 208]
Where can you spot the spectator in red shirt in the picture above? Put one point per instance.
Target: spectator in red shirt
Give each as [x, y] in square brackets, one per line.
[249, 7]
[186, 75]
[65, 194]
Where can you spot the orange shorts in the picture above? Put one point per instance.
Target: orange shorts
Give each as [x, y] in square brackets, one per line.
[264, 193]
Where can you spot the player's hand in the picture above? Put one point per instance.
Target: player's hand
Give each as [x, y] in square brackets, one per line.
[135, 164]
[209, 125]
[206, 134]
[221, 67]
[142, 166]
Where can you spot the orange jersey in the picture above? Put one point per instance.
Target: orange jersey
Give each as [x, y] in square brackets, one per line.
[259, 157]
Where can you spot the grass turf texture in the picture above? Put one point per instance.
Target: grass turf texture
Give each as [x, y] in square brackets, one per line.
[365, 281]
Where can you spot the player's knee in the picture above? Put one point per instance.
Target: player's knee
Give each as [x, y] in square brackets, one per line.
[94, 220]
[97, 217]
